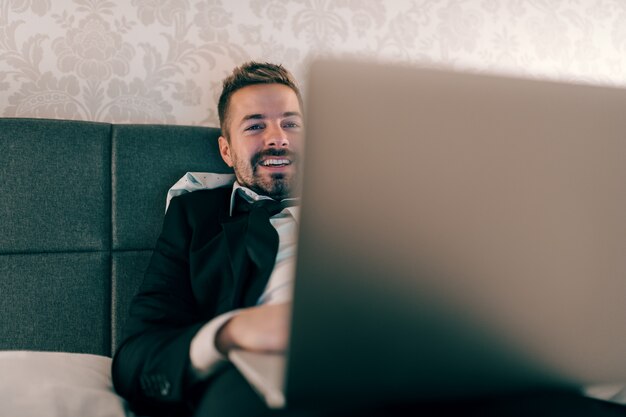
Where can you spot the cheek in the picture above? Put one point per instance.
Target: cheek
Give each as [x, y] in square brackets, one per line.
[297, 141]
[242, 156]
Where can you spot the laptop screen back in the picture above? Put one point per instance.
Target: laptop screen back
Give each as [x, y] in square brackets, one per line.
[460, 234]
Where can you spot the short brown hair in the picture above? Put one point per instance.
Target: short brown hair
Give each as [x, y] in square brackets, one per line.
[247, 74]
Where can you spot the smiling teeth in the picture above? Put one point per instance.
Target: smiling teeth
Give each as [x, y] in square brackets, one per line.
[269, 162]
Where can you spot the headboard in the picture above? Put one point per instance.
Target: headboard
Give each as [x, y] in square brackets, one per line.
[81, 206]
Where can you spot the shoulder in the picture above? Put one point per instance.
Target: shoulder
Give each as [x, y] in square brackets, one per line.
[201, 203]
[216, 196]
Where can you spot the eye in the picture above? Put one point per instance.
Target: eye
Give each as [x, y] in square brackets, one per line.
[291, 125]
[254, 127]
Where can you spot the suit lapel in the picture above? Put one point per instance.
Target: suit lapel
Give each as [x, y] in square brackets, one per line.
[261, 246]
[234, 232]
[251, 261]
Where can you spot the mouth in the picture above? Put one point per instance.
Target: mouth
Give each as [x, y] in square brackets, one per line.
[275, 162]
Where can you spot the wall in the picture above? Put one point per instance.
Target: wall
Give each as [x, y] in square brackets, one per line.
[161, 61]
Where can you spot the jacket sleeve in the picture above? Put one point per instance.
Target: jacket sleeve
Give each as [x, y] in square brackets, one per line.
[150, 368]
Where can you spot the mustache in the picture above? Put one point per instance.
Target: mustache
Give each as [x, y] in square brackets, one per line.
[256, 158]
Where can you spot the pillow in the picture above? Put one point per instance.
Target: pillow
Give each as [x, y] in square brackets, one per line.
[193, 181]
[57, 384]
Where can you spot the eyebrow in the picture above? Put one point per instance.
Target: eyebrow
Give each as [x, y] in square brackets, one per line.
[259, 116]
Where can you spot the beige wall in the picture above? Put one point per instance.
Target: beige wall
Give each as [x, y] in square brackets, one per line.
[161, 61]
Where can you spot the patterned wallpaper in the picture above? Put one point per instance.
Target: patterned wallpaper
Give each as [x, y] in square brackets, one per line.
[161, 61]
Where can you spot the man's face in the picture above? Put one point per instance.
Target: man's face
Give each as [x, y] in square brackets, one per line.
[265, 128]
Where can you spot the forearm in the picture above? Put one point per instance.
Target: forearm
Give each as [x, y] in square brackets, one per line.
[205, 354]
[264, 328]
[257, 328]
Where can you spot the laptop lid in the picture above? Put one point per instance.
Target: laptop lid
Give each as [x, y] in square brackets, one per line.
[461, 234]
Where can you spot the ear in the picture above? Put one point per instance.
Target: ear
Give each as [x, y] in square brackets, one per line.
[225, 150]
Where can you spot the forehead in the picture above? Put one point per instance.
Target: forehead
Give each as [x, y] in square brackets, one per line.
[264, 99]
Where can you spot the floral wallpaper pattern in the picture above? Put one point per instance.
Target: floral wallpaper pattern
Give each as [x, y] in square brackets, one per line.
[162, 61]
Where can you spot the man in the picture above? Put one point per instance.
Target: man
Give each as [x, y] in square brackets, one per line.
[219, 278]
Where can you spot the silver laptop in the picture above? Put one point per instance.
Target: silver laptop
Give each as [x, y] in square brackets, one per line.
[461, 235]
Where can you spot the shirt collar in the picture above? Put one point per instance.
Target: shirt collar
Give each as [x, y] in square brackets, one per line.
[251, 196]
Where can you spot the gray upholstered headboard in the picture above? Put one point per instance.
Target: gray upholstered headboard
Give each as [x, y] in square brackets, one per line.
[81, 206]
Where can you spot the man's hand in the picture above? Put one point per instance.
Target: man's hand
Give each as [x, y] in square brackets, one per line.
[264, 328]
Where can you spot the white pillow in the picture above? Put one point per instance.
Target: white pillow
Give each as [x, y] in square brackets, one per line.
[194, 181]
[57, 384]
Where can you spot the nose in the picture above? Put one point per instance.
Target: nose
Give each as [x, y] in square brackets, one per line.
[276, 137]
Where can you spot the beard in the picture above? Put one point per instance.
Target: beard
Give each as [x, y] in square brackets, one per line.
[277, 185]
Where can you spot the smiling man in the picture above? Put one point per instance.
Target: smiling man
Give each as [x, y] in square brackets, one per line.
[221, 273]
[261, 140]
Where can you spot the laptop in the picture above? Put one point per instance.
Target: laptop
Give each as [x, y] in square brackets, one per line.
[461, 235]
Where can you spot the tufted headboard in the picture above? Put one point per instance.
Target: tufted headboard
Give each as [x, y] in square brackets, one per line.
[81, 206]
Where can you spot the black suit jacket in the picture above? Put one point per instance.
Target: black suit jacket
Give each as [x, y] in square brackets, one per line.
[200, 268]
